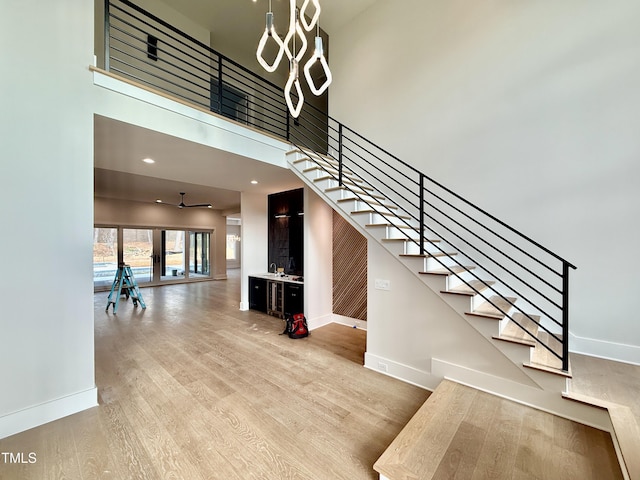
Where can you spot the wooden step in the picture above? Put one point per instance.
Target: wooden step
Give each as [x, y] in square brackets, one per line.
[400, 226]
[342, 187]
[461, 432]
[451, 271]
[514, 334]
[330, 169]
[394, 240]
[369, 211]
[428, 254]
[311, 156]
[543, 359]
[465, 289]
[383, 205]
[625, 428]
[487, 310]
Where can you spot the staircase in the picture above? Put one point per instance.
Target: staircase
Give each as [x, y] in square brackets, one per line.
[475, 296]
[479, 299]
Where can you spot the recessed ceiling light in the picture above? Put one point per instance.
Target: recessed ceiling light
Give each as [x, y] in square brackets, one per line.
[254, 182]
[209, 206]
[158, 201]
[148, 160]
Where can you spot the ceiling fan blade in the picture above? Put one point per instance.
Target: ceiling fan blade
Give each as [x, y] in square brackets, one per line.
[208, 205]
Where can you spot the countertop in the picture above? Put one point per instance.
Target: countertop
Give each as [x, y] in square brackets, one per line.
[277, 277]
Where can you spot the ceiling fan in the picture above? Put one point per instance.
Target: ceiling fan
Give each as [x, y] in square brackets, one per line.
[183, 205]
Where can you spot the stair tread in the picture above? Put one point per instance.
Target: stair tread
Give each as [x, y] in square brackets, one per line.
[433, 240]
[513, 333]
[625, 428]
[451, 271]
[330, 168]
[369, 211]
[390, 225]
[342, 187]
[540, 356]
[390, 207]
[465, 289]
[356, 189]
[428, 254]
[500, 303]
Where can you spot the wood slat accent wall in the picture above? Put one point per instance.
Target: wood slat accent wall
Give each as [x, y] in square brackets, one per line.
[349, 270]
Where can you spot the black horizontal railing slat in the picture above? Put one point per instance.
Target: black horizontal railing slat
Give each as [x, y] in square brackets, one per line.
[191, 70]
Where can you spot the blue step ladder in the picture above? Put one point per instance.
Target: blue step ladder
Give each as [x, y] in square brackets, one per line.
[124, 284]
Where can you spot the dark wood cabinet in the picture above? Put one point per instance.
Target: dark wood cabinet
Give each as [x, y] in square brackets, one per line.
[258, 294]
[286, 231]
[293, 298]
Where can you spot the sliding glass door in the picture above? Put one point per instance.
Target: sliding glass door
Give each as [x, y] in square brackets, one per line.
[199, 254]
[155, 255]
[172, 254]
[105, 256]
[137, 251]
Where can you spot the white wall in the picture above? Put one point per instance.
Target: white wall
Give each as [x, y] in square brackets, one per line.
[318, 260]
[254, 235]
[409, 327]
[46, 212]
[139, 214]
[530, 110]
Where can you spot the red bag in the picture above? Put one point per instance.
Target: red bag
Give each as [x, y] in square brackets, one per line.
[297, 326]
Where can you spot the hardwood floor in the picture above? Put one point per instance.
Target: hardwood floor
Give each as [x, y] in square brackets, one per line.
[473, 435]
[192, 388]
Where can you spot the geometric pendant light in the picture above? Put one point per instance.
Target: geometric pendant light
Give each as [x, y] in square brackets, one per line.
[297, 25]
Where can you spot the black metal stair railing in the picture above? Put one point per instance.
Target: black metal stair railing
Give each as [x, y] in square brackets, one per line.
[144, 48]
[538, 277]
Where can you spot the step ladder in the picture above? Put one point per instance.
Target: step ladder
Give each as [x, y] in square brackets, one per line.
[124, 283]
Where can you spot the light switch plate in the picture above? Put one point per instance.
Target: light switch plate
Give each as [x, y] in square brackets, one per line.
[382, 284]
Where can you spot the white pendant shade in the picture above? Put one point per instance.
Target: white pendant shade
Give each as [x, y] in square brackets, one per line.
[295, 46]
[318, 56]
[291, 82]
[270, 32]
[314, 20]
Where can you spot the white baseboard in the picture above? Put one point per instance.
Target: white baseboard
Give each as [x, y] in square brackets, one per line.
[618, 352]
[318, 322]
[405, 373]
[244, 306]
[350, 322]
[47, 412]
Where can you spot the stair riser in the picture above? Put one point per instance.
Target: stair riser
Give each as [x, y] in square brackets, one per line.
[432, 263]
[353, 205]
[458, 279]
[394, 232]
[411, 248]
[318, 173]
[310, 164]
[377, 218]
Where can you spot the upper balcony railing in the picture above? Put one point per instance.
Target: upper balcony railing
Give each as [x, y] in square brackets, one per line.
[147, 49]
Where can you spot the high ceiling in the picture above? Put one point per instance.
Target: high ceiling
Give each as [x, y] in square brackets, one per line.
[215, 14]
[206, 174]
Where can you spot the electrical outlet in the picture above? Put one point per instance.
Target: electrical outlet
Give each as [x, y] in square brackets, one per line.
[382, 284]
[383, 367]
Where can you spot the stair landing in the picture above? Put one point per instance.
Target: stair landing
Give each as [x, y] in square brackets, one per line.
[461, 432]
